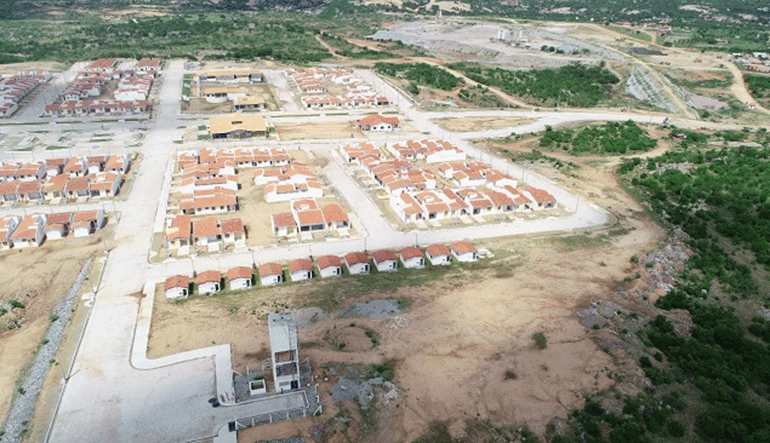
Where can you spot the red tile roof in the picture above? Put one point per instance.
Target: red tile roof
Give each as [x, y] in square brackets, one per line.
[437, 250]
[354, 258]
[267, 269]
[208, 277]
[300, 264]
[239, 272]
[462, 247]
[411, 252]
[384, 255]
[327, 261]
[177, 281]
[283, 220]
[334, 213]
[232, 226]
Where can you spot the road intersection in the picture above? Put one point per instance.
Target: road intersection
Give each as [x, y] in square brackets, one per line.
[115, 393]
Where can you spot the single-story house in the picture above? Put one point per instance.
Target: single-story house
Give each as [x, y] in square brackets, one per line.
[179, 232]
[464, 251]
[378, 123]
[300, 269]
[329, 266]
[57, 225]
[206, 232]
[85, 223]
[8, 224]
[358, 263]
[385, 260]
[238, 126]
[29, 233]
[284, 224]
[335, 218]
[412, 257]
[209, 282]
[232, 230]
[270, 274]
[177, 286]
[438, 254]
[240, 278]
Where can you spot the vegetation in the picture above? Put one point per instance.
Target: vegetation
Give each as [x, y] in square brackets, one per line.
[758, 84]
[610, 138]
[541, 342]
[719, 198]
[421, 74]
[572, 85]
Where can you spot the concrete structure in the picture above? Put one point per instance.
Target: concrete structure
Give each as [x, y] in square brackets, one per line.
[300, 269]
[438, 254]
[8, 224]
[270, 274]
[237, 126]
[29, 233]
[329, 266]
[177, 286]
[358, 263]
[412, 257]
[385, 260]
[284, 350]
[464, 251]
[240, 278]
[209, 282]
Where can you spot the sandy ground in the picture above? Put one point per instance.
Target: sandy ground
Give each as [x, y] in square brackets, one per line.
[13, 68]
[300, 131]
[478, 124]
[38, 278]
[463, 332]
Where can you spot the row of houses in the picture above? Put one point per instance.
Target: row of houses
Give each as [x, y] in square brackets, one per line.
[34, 229]
[377, 123]
[99, 185]
[307, 216]
[14, 88]
[412, 206]
[235, 157]
[303, 269]
[310, 84]
[209, 233]
[430, 151]
[290, 182]
[131, 94]
[77, 166]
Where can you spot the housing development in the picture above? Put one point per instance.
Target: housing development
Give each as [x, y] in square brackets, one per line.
[404, 240]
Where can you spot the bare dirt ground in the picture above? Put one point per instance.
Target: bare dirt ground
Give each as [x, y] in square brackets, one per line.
[464, 350]
[478, 124]
[327, 130]
[13, 68]
[38, 278]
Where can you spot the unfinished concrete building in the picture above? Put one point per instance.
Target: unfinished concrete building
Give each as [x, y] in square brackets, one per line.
[284, 349]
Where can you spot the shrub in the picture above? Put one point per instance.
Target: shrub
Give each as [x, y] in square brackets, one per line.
[541, 342]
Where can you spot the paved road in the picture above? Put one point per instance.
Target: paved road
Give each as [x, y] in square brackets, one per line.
[108, 399]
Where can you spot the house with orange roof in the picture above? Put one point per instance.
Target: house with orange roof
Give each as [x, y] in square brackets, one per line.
[29, 232]
[335, 218]
[54, 166]
[179, 232]
[541, 198]
[464, 251]
[377, 123]
[270, 274]
[57, 225]
[206, 232]
[357, 262]
[240, 278]
[329, 266]
[209, 282]
[177, 286]
[118, 164]
[385, 260]
[300, 269]
[30, 190]
[438, 254]
[209, 202]
[412, 257]
[85, 223]
[283, 224]
[55, 187]
[233, 230]
[8, 224]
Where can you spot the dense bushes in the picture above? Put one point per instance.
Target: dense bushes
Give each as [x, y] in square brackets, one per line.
[572, 85]
[420, 73]
[610, 138]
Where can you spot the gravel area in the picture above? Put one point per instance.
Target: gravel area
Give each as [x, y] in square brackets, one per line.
[24, 405]
[376, 309]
